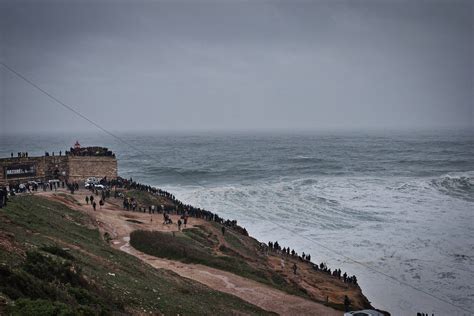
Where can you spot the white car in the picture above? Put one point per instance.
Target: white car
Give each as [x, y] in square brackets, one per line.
[92, 180]
[365, 312]
[96, 186]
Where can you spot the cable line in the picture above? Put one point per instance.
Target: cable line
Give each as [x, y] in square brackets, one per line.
[70, 108]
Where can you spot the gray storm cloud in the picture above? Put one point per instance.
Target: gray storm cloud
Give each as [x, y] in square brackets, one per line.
[238, 65]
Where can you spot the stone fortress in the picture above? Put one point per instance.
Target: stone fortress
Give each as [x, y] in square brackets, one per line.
[74, 165]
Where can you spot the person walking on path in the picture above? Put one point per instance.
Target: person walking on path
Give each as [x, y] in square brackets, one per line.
[94, 204]
[87, 200]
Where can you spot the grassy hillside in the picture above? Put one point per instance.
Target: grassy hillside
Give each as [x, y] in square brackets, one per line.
[200, 245]
[54, 261]
[243, 255]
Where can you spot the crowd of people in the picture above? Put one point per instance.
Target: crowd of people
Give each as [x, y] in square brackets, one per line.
[20, 155]
[185, 210]
[47, 154]
[285, 251]
[89, 151]
[25, 154]
[34, 186]
[175, 207]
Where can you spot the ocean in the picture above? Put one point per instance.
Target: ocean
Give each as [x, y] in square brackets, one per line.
[400, 203]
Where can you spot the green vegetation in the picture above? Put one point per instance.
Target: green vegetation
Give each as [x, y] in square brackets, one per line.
[145, 198]
[53, 261]
[198, 245]
[55, 250]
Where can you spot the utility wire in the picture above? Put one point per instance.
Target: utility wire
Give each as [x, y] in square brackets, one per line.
[70, 108]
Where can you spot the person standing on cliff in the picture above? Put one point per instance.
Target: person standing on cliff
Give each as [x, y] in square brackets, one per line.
[87, 199]
[294, 268]
[347, 303]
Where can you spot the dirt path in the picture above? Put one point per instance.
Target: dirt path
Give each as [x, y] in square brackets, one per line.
[114, 220]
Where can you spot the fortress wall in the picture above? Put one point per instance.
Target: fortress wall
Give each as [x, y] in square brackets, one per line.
[37, 164]
[55, 167]
[69, 168]
[82, 167]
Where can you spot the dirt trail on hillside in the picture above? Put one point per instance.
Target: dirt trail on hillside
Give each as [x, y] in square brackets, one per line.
[112, 219]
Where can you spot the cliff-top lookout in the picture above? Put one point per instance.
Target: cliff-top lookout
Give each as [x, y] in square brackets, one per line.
[76, 164]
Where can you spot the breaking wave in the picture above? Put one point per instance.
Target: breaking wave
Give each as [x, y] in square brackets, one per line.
[459, 185]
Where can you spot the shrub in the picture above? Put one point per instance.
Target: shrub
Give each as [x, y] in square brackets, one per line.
[55, 250]
[18, 283]
[39, 308]
[48, 269]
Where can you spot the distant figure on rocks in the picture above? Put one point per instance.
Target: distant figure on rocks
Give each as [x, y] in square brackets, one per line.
[223, 230]
[87, 200]
[101, 203]
[179, 224]
[91, 198]
[94, 204]
[347, 303]
[294, 268]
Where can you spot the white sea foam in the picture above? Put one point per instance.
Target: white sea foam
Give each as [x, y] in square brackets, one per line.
[401, 202]
[404, 227]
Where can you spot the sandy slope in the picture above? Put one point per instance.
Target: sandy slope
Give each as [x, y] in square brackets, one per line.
[112, 219]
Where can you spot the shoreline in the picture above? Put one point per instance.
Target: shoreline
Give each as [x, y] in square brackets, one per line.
[205, 215]
[383, 293]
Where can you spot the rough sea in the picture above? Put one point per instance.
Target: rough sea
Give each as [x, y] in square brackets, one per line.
[400, 203]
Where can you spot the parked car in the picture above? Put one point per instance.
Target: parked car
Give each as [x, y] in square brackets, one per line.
[365, 312]
[96, 186]
[92, 180]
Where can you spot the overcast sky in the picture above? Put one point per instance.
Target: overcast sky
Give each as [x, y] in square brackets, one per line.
[194, 65]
